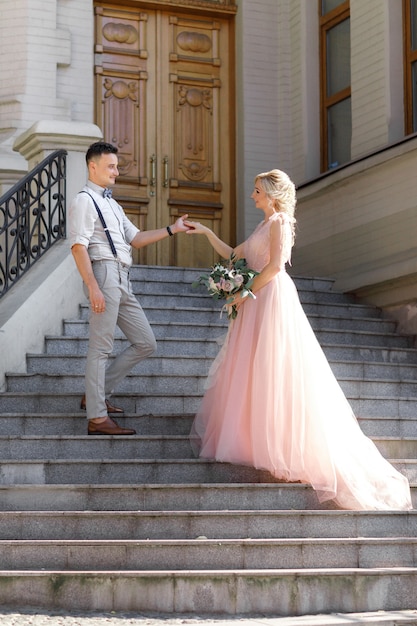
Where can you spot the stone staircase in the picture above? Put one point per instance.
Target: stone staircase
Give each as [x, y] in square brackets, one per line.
[139, 524]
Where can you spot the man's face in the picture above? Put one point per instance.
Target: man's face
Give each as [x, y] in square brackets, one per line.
[103, 170]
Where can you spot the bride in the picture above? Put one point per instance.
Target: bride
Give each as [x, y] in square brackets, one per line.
[272, 400]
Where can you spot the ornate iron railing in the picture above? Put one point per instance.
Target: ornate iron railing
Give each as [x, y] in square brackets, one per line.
[32, 218]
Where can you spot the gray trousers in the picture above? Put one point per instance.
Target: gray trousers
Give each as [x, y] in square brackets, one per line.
[123, 310]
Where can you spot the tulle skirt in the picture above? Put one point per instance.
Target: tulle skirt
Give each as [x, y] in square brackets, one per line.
[273, 402]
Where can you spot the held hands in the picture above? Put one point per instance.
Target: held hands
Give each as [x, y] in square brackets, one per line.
[180, 225]
[195, 228]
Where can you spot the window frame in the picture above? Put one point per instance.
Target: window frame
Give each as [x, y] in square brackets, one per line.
[326, 22]
[410, 57]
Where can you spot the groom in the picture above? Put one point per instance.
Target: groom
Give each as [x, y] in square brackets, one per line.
[101, 238]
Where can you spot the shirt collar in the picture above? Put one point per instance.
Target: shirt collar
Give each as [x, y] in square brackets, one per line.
[97, 188]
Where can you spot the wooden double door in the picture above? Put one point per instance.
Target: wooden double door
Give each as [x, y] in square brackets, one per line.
[165, 98]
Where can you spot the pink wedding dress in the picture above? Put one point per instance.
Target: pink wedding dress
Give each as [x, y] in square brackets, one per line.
[272, 401]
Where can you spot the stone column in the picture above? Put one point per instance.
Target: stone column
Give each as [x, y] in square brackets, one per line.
[46, 136]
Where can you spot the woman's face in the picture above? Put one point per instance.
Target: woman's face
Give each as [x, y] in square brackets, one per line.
[260, 198]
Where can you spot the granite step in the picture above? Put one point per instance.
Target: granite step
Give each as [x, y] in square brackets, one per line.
[235, 592]
[172, 347]
[212, 524]
[75, 424]
[179, 404]
[27, 447]
[134, 471]
[98, 447]
[208, 554]
[166, 497]
[163, 497]
[188, 383]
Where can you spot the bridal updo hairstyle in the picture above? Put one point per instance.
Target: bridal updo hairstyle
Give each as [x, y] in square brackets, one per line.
[279, 187]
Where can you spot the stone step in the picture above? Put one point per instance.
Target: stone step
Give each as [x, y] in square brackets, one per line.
[169, 347]
[166, 281]
[171, 374]
[199, 298]
[237, 592]
[368, 354]
[364, 358]
[397, 448]
[75, 424]
[133, 471]
[27, 447]
[191, 524]
[184, 285]
[179, 404]
[387, 426]
[126, 471]
[57, 403]
[175, 315]
[163, 497]
[168, 497]
[360, 337]
[361, 361]
[211, 317]
[194, 348]
[372, 370]
[157, 384]
[186, 383]
[211, 310]
[323, 322]
[88, 447]
[145, 290]
[208, 554]
[332, 332]
[157, 273]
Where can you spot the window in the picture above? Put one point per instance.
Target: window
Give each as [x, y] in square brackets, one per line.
[335, 90]
[410, 65]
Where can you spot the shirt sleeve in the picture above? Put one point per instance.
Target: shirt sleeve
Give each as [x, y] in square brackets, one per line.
[130, 229]
[81, 220]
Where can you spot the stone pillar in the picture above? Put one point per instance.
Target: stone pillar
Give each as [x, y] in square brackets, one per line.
[46, 136]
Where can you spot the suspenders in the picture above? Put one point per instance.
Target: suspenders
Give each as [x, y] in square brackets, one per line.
[106, 230]
[103, 223]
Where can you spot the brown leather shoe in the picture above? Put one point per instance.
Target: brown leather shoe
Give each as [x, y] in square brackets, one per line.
[110, 407]
[108, 427]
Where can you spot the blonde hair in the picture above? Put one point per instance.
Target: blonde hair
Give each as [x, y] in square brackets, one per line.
[280, 189]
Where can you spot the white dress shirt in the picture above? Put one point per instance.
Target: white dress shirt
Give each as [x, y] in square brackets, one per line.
[85, 226]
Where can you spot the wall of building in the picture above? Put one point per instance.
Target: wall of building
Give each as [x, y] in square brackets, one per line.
[46, 71]
[263, 67]
[36, 307]
[376, 73]
[357, 223]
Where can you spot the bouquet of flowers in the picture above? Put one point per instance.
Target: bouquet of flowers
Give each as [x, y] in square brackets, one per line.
[226, 279]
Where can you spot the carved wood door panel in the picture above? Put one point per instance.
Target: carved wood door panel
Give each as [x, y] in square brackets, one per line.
[164, 97]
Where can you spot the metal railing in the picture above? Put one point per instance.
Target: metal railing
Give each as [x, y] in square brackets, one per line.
[32, 218]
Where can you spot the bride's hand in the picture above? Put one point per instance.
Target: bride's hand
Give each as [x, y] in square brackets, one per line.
[237, 300]
[195, 228]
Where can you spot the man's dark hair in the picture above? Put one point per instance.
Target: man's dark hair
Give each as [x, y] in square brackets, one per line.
[98, 148]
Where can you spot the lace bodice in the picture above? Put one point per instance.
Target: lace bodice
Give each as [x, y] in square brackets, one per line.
[256, 248]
